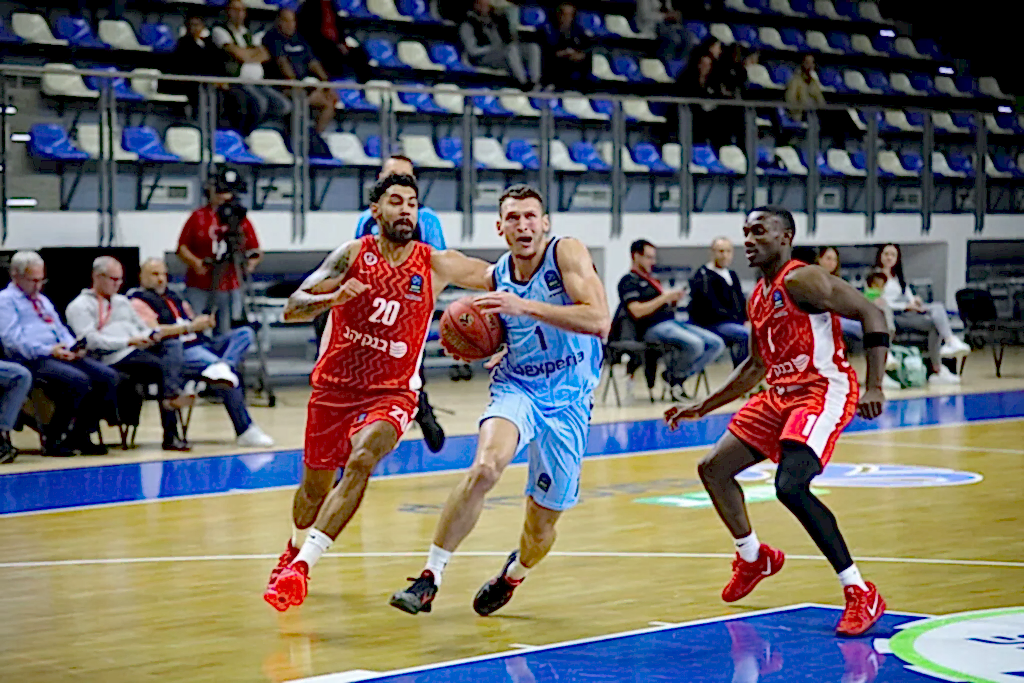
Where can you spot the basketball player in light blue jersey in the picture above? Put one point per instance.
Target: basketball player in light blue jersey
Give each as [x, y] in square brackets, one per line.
[555, 313]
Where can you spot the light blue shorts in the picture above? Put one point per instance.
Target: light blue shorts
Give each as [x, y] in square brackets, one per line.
[556, 441]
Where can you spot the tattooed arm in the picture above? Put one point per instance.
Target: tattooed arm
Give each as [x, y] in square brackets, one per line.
[325, 287]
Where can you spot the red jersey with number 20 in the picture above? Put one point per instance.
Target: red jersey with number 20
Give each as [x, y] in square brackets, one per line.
[375, 341]
[797, 347]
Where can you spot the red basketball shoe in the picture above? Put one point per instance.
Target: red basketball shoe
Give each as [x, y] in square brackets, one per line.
[746, 575]
[287, 557]
[289, 588]
[863, 609]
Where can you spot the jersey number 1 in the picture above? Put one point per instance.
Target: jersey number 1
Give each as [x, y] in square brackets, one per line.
[540, 338]
[386, 313]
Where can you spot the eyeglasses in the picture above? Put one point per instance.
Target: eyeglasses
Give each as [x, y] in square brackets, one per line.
[36, 281]
[112, 279]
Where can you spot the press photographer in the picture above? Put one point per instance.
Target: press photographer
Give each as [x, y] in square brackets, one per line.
[217, 242]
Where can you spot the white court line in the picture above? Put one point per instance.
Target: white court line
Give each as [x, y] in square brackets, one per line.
[407, 475]
[494, 553]
[935, 446]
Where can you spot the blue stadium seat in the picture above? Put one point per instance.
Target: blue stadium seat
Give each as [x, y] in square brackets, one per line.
[832, 78]
[966, 84]
[145, 141]
[747, 34]
[230, 145]
[557, 110]
[424, 102]
[884, 127]
[419, 10]
[646, 154]
[924, 82]
[915, 118]
[490, 105]
[355, 100]
[876, 79]
[758, 6]
[847, 8]
[602, 107]
[859, 160]
[1004, 162]
[532, 16]
[787, 123]
[704, 155]
[804, 7]
[383, 51]
[591, 23]
[78, 33]
[839, 41]
[583, 152]
[781, 73]
[824, 170]
[961, 163]
[912, 161]
[50, 141]
[122, 90]
[674, 67]
[6, 36]
[354, 8]
[929, 48]
[1009, 122]
[523, 152]
[964, 120]
[372, 147]
[883, 44]
[450, 149]
[158, 36]
[766, 162]
[448, 56]
[795, 38]
[624, 65]
[698, 30]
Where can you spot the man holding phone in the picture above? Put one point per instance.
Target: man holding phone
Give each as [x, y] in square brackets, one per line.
[81, 388]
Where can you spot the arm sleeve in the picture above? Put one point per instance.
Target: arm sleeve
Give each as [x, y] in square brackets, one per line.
[251, 240]
[628, 291]
[186, 238]
[432, 230]
[220, 36]
[13, 337]
[83, 323]
[469, 43]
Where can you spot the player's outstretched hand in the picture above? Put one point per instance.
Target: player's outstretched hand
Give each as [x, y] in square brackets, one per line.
[493, 361]
[348, 291]
[688, 410]
[505, 303]
[871, 403]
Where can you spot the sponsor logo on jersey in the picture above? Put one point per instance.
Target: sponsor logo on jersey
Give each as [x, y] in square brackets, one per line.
[548, 367]
[395, 349]
[416, 284]
[544, 482]
[777, 299]
[553, 282]
[398, 349]
[370, 259]
[798, 364]
[362, 416]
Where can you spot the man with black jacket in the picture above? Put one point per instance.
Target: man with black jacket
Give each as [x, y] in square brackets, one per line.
[717, 302]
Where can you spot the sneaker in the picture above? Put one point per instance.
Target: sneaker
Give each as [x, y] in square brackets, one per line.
[943, 377]
[860, 661]
[954, 348]
[7, 452]
[287, 557]
[417, 597]
[863, 609]
[889, 384]
[254, 437]
[746, 575]
[220, 373]
[433, 435]
[496, 593]
[289, 588]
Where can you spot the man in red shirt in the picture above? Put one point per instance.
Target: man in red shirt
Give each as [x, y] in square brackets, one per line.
[212, 280]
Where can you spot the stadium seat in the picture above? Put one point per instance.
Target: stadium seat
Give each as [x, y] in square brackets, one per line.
[561, 160]
[964, 121]
[145, 142]
[628, 165]
[784, 8]
[122, 91]
[532, 17]
[941, 167]
[386, 9]
[794, 39]
[840, 41]
[353, 8]
[646, 155]
[450, 149]
[961, 163]
[768, 164]
[912, 161]
[723, 33]
[230, 144]
[148, 87]
[924, 83]
[862, 44]
[384, 93]
[620, 26]
[452, 101]
[787, 123]
[898, 120]
[697, 30]
[847, 9]
[50, 141]
[421, 150]
[66, 84]
[7, 36]
[421, 102]
[32, 28]
[771, 38]
[944, 123]
[990, 86]
[448, 57]
[382, 54]
[733, 158]
[857, 119]
[817, 41]
[603, 107]
[877, 81]
[831, 80]
[1001, 166]
[1009, 122]
[930, 49]
[758, 77]
[792, 159]
[158, 37]
[491, 154]
[602, 70]
[591, 23]
[805, 7]
[889, 162]
[747, 35]
[522, 152]
[77, 32]
[580, 107]
[905, 46]
[418, 11]
[967, 86]
[88, 139]
[781, 74]
[884, 45]
[120, 35]
[583, 152]
[672, 155]
[355, 100]
[414, 54]
[516, 102]
[869, 12]
[839, 159]
[992, 125]
[186, 143]
[636, 108]
[947, 86]
[348, 148]
[704, 156]
[901, 83]
[824, 8]
[856, 82]
[654, 69]
[826, 171]
[557, 110]
[737, 5]
[624, 65]
[268, 145]
[489, 105]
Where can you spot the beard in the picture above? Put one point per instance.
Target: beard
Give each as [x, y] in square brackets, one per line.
[401, 231]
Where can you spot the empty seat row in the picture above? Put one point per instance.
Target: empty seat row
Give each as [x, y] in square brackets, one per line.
[776, 76]
[831, 42]
[842, 10]
[62, 81]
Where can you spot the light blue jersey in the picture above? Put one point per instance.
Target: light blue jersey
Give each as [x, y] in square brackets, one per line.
[545, 385]
[429, 227]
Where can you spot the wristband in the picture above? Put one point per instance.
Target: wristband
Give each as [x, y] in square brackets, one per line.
[872, 339]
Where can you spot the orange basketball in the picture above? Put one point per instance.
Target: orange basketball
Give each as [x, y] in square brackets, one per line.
[469, 333]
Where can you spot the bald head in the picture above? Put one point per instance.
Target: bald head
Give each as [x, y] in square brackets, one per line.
[153, 275]
[721, 252]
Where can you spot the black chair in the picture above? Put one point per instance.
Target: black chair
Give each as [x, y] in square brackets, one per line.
[982, 324]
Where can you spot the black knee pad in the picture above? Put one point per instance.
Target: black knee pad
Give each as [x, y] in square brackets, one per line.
[798, 465]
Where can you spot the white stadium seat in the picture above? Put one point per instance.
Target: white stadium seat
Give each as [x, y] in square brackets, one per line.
[147, 87]
[604, 148]
[890, 161]
[603, 70]
[861, 43]
[770, 37]
[491, 154]
[946, 86]
[944, 122]
[855, 81]
[654, 69]
[67, 84]
[619, 25]
[414, 54]
[901, 82]
[420, 148]
[782, 7]
[723, 33]
[119, 34]
[905, 46]
[791, 160]
[898, 119]
[268, 144]
[941, 166]
[88, 139]
[638, 109]
[993, 126]
[816, 40]
[579, 106]
[758, 74]
[34, 29]
[990, 86]
[385, 9]
[826, 9]
[186, 143]
[839, 159]
[452, 101]
[560, 159]
[349, 148]
[732, 157]
[517, 103]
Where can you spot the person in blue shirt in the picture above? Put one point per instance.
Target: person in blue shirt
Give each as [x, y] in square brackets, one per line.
[15, 383]
[33, 334]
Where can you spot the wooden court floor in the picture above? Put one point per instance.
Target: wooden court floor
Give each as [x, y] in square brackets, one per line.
[171, 590]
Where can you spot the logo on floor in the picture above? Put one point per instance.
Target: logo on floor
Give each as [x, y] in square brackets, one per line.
[839, 474]
[758, 493]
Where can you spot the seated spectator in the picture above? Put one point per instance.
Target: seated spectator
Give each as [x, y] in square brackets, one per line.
[717, 302]
[15, 383]
[195, 55]
[828, 258]
[804, 92]
[118, 337]
[82, 389]
[730, 72]
[294, 61]
[488, 42]
[244, 55]
[662, 19]
[568, 61]
[874, 288]
[318, 24]
[216, 361]
[652, 309]
[910, 313]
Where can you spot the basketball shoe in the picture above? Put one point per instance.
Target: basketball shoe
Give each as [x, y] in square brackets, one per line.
[417, 597]
[496, 593]
[746, 575]
[863, 609]
[289, 588]
[287, 557]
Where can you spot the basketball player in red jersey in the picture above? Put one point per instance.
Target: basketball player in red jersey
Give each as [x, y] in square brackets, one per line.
[380, 290]
[797, 345]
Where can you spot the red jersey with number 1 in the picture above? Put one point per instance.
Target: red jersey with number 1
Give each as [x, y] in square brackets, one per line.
[375, 341]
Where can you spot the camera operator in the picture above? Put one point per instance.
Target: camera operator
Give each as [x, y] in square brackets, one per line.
[215, 243]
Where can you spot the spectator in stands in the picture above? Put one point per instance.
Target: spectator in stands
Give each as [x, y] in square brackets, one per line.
[804, 89]
[662, 19]
[828, 258]
[730, 72]
[294, 61]
[318, 24]
[81, 388]
[874, 289]
[717, 302]
[119, 338]
[244, 58]
[568, 62]
[652, 308]
[195, 55]
[697, 81]
[488, 41]
[213, 284]
[911, 313]
[15, 383]
[215, 361]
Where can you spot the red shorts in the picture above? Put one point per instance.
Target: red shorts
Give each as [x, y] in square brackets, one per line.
[335, 416]
[813, 414]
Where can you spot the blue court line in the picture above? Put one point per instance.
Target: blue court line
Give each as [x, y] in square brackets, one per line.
[130, 482]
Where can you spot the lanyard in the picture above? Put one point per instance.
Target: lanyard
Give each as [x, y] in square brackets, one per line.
[104, 315]
[174, 309]
[654, 283]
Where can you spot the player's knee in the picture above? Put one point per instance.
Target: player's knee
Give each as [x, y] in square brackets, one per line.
[709, 471]
[790, 491]
[315, 488]
[361, 462]
[483, 475]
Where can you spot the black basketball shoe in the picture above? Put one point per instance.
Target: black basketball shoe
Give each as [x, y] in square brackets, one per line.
[433, 435]
[417, 597]
[496, 593]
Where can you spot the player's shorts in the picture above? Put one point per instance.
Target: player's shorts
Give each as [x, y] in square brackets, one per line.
[556, 441]
[333, 417]
[814, 414]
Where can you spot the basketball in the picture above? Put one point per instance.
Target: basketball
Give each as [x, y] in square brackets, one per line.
[469, 333]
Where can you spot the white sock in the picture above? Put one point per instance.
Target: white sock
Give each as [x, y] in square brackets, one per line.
[516, 571]
[748, 547]
[437, 560]
[297, 536]
[852, 577]
[317, 543]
